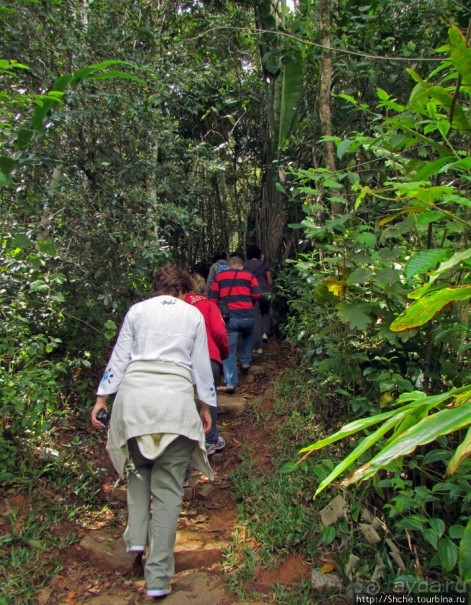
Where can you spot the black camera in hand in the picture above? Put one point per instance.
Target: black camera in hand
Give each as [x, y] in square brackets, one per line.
[104, 417]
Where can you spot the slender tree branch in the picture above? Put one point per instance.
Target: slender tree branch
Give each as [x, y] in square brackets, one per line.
[309, 43]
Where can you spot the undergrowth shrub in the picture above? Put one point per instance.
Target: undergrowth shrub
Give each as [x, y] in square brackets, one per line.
[396, 369]
[39, 370]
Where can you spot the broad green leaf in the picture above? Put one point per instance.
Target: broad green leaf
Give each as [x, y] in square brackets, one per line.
[288, 467]
[48, 247]
[23, 138]
[443, 96]
[48, 101]
[110, 329]
[90, 72]
[419, 292]
[438, 526]
[359, 276]
[109, 63]
[414, 75]
[280, 187]
[411, 411]
[431, 537]
[20, 241]
[409, 420]
[448, 554]
[460, 56]
[382, 94]
[461, 200]
[465, 554]
[347, 430]
[55, 95]
[39, 116]
[331, 184]
[5, 179]
[356, 315]
[364, 445]
[431, 168]
[417, 399]
[60, 278]
[463, 451]
[425, 218]
[388, 276]
[425, 309]
[328, 534]
[8, 165]
[12, 64]
[343, 148]
[456, 532]
[348, 98]
[429, 195]
[367, 239]
[61, 83]
[464, 164]
[108, 75]
[435, 456]
[424, 260]
[291, 95]
[430, 428]
[444, 128]
[410, 523]
[451, 262]
[309, 190]
[331, 364]
[431, 400]
[39, 286]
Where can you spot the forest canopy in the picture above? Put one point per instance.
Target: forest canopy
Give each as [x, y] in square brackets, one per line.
[334, 135]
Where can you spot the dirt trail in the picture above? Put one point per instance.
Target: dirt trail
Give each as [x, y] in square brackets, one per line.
[96, 569]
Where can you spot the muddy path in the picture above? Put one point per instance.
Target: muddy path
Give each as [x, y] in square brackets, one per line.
[95, 568]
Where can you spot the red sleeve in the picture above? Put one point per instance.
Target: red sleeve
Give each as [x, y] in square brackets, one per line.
[218, 331]
[214, 290]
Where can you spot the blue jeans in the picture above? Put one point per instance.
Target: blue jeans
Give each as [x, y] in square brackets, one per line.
[244, 327]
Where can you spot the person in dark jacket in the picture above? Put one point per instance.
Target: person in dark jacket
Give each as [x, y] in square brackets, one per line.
[262, 272]
[240, 289]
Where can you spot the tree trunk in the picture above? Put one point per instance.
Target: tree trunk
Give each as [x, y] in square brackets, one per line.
[270, 219]
[326, 69]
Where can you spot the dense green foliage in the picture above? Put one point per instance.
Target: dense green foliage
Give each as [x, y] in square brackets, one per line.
[407, 371]
[137, 132]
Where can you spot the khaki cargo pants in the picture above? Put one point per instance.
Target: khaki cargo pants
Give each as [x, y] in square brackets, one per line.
[160, 483]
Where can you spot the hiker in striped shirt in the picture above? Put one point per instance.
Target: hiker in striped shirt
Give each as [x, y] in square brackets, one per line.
[240, 289]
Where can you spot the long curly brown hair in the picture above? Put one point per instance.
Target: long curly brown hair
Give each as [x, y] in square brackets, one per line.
[172, 280]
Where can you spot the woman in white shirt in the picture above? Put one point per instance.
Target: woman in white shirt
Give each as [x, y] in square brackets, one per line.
[155, 428]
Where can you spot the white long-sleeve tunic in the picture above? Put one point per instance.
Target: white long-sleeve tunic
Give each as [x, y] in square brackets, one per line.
[164, 329]
[160, 352]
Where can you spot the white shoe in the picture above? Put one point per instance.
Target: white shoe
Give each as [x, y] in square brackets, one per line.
[159, 592]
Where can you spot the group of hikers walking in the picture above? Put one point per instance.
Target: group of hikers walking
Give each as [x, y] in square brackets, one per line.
[185, 336]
